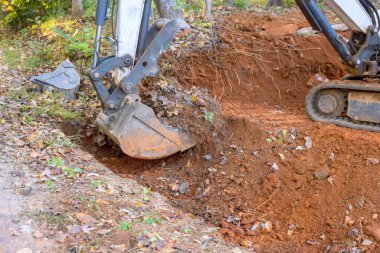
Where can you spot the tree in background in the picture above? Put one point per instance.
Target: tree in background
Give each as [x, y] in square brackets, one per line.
[207, 9]
[77, 8]
[166, 9]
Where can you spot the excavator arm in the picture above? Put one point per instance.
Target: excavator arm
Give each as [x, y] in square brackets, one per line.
[353, 102]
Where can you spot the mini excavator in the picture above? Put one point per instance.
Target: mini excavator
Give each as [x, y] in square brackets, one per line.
[351, 102]
[354, 101]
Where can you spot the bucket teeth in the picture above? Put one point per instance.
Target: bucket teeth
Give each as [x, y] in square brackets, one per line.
[139, 133]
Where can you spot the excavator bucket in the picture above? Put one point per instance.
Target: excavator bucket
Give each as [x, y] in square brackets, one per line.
[125, 119]
[65, 79]
[139, 133]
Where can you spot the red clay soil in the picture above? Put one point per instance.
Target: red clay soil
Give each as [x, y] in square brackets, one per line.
[322, 198]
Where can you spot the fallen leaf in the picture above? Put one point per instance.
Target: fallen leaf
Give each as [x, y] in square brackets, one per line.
[85, 218]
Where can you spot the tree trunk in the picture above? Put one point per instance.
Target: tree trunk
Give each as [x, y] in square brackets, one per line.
[275, 3]
[166, 9]
[77, 8]
[207, 9]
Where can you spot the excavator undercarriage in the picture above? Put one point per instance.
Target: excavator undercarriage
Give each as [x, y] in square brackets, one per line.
[354, 101]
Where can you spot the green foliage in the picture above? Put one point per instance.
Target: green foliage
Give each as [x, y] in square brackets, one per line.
[77, 45]
[125, 225]
[56, 162]
[50, 185]
[57, 111]
[26, 12]
[241, 3]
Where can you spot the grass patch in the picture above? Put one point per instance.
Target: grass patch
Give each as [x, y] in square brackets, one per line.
[53, 219]
[57, 111]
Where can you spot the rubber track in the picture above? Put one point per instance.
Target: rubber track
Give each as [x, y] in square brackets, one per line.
[345, 85]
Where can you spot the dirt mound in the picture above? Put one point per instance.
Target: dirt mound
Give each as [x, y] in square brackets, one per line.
[258, 67]
[278, 182]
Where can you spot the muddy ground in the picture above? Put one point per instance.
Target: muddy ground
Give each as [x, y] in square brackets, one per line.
[278, 182]
[274, 181]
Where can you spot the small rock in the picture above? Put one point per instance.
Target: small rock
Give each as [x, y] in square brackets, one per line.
[308, 142]
[255, 227]
[366, 242]
[375, 216]
[184, 187]
[212, 170]
[332, 156]
[274, 167]
[224, 161]
[291, 229]
[311, 242]
[372, 161]
[246, 243]
[353, 233]
[323, 173]
[267, 227]
[208, 157]
[38, 234]
[348, 221]
[232, 219]
[174, 187]
[340, 27]
[306, 31]
[356, 250]
[256, 154]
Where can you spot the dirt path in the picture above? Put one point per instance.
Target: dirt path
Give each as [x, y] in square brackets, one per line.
[18, 232]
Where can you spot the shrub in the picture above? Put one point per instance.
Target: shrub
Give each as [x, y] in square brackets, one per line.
[25, 12]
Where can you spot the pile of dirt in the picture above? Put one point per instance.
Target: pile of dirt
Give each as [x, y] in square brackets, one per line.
[278, 182]
[190, 109]
[255, 65]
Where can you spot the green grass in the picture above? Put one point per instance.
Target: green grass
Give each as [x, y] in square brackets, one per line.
[57, 111]
[10, 55]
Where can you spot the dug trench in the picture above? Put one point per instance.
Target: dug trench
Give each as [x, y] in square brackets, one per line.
[277, 182]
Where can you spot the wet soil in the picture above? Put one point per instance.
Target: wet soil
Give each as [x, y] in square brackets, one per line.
[311, 198]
